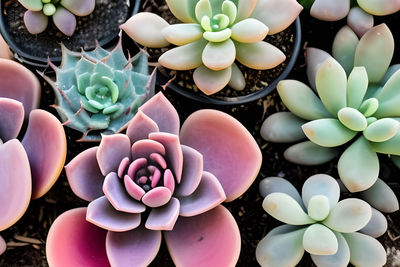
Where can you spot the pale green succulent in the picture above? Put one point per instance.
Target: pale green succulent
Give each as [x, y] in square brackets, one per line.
[99, 92]
[214, 34]
[317, 223]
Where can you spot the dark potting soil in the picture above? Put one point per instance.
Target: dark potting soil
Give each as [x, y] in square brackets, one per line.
[100, 26]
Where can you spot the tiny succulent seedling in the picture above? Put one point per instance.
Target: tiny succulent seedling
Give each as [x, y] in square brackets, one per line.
[63, 12]
[99, 92]
[214, 34]
[334, 233]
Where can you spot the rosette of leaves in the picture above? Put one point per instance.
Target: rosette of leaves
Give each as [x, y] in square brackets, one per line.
[334, 232]
[99, 92]
[213, 34]
[63, 12]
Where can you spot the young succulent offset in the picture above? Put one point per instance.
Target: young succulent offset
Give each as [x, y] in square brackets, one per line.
[158, 178]
[100, 91]
[213, 34]
[334, 233]
[31, 166]
[63, 13]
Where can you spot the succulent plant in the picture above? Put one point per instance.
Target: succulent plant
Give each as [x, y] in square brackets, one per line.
[100, 91]
[214, 33]
[63, 13]
[317, 223]
[31, 166]
[158, 178]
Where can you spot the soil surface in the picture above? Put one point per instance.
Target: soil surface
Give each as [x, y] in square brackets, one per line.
[26, 239]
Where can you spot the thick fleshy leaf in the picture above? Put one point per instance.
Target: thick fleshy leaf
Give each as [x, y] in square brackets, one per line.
[321, 184]
[365, 250]
[3, 245]
[182, 9]
[381, 130]
[379, 7]
[210, 81]
[352, 119]
[357, 85]
[112, 149]
[276, 15]
[249, 31]
[285, 209]
[146, 29]
[358, 166]
[191, 172]
[328, 132]
[389, 98]
[259, 56]
[344, 46]
[79, 7]
[308, 153]
[360, 21]
[209, 239]
[11, 117]
[244, 9]
[183, 33]
[15, 192]
[72, 241]
[101, 213]
[84, 175]
[207, 195]
[46, 147]
[163, 113]
[330, 11]
[25, 88]
[377, 226]
[391, 146]
[318, 207]
[139, 246]
[65, 21]
[219, 56]
[184, 57]
[271, 185]
[320, 240]
[143, 149]
[301, 100]
[381, 197]
[34, 5]
[229, 150]
[314, 58]
[237, 81]
[375, 51]
[164, 218]
[35, 21]
[282, 246]
[203, 8]
[216, 37]
[349, 215]
[282, 127]
[157, 197]
[341, 258]
[140, 127]
[331, 83]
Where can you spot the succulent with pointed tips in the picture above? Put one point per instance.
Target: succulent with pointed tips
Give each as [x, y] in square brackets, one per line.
[158, 178]
[63, 12]
[29, 167]
[317, 223]
[213, 34]
[99, 92]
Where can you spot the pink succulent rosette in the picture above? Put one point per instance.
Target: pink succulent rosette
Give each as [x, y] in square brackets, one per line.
[30, 167]
[158, 180]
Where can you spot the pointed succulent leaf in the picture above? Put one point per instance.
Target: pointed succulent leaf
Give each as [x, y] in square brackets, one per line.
[341, 258]
[11, 117]
[375, 51]
[389, 98]
[276, 184]
[352, 119]
[249, 31]
[183, 9]
[244, 9]
[381, 197]
[391, 146]
[210, 81]
[321, 184]
[112, 149]
[328, 132]
[65, 21]
[301, 100]
[381, 130]
[219, 56]
[344, 46]
[377, 226]
[360, 21]
[330, 11]
[314, 58]
[308, 153]
[140, 127]
[34, 5]
[357, 85]
[282, 127]
[237, 81]
[358, 173]
[79, 7]
[35, 21]
[259, 56]
[365, 250]
[164, 217]
[320, 240]
[379, 8]
[181, 34]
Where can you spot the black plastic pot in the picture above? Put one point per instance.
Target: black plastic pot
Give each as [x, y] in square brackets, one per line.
[200, 97]
[42, 62]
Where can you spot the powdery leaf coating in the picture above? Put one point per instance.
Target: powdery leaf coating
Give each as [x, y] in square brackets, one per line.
[65, 21]
[319, 240]
[79, 7]
[310, 154]
[211, 81]
[360, 21]
[283, 127]
[276, 184]
[381, 197]
[365, 250]
[330, 10]
[35, 21]
[341, 258]
[377, 226]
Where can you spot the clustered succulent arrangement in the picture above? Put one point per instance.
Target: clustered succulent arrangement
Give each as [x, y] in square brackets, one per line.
[63, 12]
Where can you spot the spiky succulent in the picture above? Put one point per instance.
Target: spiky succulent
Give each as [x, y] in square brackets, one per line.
[213, 34]
[317, 223]
[100, 91]
[36, 18]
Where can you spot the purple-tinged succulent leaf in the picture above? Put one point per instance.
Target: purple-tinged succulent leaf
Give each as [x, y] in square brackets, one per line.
[210, 239]
[34, 5]
[207, 195]
[79, 7]
[140, 127]
[72, 241]
[164, 217]
[11, 117]
[144, 148]
[321, 184]
[46, 146]
[133, 189]
[163, 113]
[101, 213]
[210, 81]
[309, 154]
[341, 258]
[16, 183]
[377, 226]
[157, 197]
[360, 21]
[314, 57]
[137, 247]
[330, 10]
[229, 151]
[3, 245]
[381, 197]
[112, 149]
[35, 21]
[25, 88]
[65, 21]
[84, 175]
